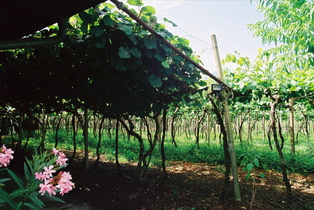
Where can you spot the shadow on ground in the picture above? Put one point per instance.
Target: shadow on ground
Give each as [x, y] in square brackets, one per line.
[189, 186]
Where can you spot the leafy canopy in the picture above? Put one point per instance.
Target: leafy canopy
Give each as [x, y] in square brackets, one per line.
[289, 24]
[108, 63]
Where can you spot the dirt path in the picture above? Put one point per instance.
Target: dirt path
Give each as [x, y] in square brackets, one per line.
[189, 186]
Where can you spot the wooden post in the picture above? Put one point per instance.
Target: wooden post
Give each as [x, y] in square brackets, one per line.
[233, 157]
[291, 125]
[85, 134]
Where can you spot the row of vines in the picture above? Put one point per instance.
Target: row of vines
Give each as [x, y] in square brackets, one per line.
[198, 127]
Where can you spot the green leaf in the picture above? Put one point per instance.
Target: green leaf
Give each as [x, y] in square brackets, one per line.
[127, 29]
[133, 38]
[256, 162]
[149, 10]
[37, 201]
[27, 172]
[136, 52]
[84, 27]
[159, 56]
[241, 61]
[107, 20]
[16, 179]
[97, 31]
[155, 81]
[135, 2]
[249, 167]
[19, 192]
[120, 66]
[187, 99]
[164, 34]
[169, 21]
[54, 198]
[6, 197]
[29, 164]
[144, 33]
[188, 80]
[150, 44]
[86, 17]
[263, 176]
[202, 83]
[187, 50]
[293, 88]
[124, 52]
[19, 205]
[4, 180]
[165, 64]
[184, 41]
[178, 58]
[32, 206]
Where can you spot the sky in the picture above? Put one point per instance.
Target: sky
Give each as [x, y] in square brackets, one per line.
[198, 20]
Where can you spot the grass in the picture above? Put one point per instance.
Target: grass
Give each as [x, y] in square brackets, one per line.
[302, 162]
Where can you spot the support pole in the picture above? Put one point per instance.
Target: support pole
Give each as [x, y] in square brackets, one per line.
[85, 134]
[291, 125]
[233, 157]
[26, 43]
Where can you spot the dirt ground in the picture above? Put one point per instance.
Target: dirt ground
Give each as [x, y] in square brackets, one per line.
[189, 186]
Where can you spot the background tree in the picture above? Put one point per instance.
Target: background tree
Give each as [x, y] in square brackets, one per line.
[289, 25]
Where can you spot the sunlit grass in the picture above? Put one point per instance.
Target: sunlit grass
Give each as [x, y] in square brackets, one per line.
[186, 150]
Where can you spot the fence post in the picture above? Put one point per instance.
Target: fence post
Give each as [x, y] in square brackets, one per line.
[291, 125]
[233, 157]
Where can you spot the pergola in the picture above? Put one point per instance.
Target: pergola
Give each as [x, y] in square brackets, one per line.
[20, 18]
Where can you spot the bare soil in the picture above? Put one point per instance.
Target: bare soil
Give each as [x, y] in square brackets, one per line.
[189, 186]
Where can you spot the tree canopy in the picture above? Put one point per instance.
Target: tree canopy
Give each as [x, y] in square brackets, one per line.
[289, 24]
[108, 63]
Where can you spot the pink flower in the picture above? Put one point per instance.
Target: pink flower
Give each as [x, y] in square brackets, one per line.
[47, 187]
[61, 159]
[65, 176]
[40, 176]
[7, 151]
[5, 156]
[47, 174]
[61, 181]
[65, 185]
[55, 151]
[48, 171]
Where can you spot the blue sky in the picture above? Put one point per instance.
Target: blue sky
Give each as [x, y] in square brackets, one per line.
[197, 20]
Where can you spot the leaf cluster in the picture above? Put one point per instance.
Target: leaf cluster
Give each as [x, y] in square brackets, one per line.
[251, 162]
[256, 82]
[289, 24]
[108, 63]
